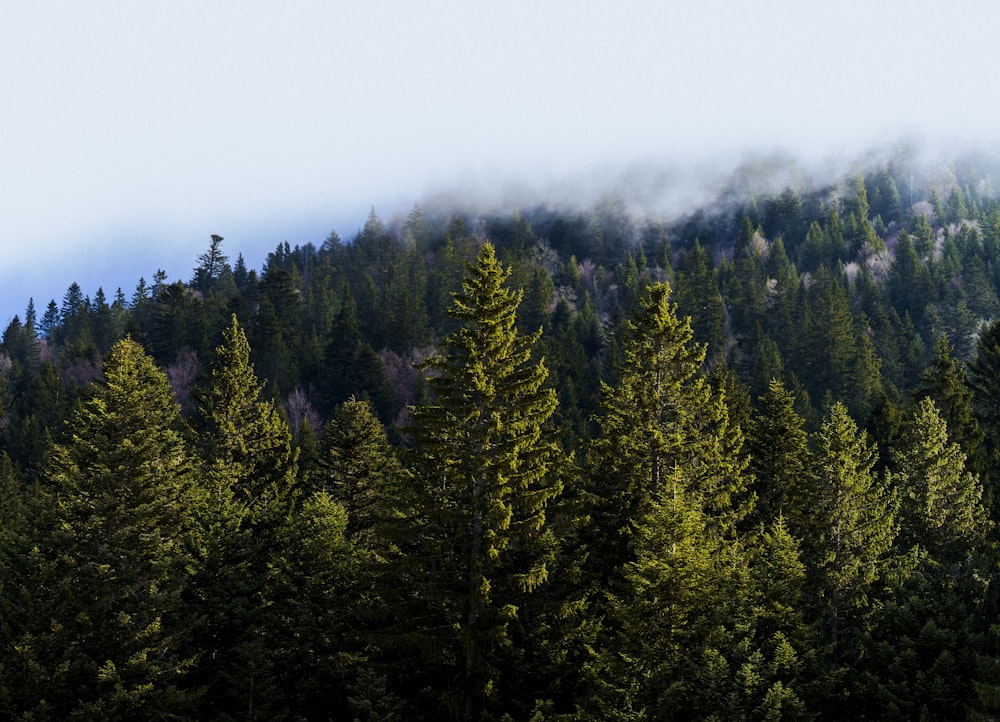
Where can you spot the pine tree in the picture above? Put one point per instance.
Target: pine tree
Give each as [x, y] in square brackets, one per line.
[984, 380]
[920, 653]
[941, 502]
[318, 598]
[247, 444]
[707, 628]
[778, 449]
[351, 366]
[250, 470]
[664, 613]
[359, 469]
[483, 465]
[50, 322]
[103, 633]
[698, 297]
[830, 353]
[211, 266]
[853, 529]
[945, 382]
[358, 472]
[663, 432]
[910, 288]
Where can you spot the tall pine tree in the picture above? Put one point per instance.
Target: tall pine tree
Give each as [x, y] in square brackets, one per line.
[483, 464]
[102, 624]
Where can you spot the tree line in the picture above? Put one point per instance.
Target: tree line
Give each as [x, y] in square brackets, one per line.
[450, 471]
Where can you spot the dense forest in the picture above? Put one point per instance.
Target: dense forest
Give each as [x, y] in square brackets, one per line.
[546, 464]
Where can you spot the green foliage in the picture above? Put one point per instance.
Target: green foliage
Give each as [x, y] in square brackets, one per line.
[984, 380]
[359, 469]
[100, 618]
[247, 444]
[312, 632]
[664, 431]
[249, 467]
[483, 457]
[853, 527]
[777, 445]
[940, 501]
[679, 574]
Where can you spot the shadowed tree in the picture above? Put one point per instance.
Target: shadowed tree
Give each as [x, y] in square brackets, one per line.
[984, 380]
[778, 447]
[358, 468]
[853, 514]
[103, 623]
[250, 470]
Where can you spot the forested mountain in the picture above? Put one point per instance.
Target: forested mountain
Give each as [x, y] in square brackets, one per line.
[739, 464]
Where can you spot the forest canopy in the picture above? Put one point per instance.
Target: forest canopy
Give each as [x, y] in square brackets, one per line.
[526, 464]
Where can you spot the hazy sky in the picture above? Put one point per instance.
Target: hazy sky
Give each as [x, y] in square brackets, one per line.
[130, 132]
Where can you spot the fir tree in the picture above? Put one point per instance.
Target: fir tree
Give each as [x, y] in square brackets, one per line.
[250, 470]
[483, 463]
[853, 529]
[923, 634]
[941, 502]
[663, 432]
[359, 469]
[103, 633]
[945, 382]
[247, 444]
[984, 380]
[779, 456]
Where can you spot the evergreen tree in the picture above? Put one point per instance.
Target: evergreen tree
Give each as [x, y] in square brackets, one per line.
[314, 636]
[709, 629]
[779, 456]
[100, 625]
[663, 431]
[483, 465]
[250, 470]
[830, 348]
[853, 528]
[50, 321]
[277, 330]
[247, 443]
[945, 382]
[211, 266]
[940, 501]
[910, 288]
[984, 380]
[359, 470]
[698, 297]
[920, 651]
[351, 366]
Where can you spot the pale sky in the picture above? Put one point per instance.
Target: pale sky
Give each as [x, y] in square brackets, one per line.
[130, 132]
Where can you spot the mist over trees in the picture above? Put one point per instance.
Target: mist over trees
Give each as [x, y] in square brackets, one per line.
[548, 463]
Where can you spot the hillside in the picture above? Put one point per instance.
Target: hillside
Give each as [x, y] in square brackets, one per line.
[559, 462]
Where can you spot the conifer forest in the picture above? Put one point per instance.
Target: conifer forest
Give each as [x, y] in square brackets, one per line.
[554, 463]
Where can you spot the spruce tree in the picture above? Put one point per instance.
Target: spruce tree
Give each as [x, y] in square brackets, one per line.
[945, 381]
[941, 506]
[483, 462]
[314, 635]
[663, 431]
[853, 528]
[667, 487]
[984, 380]
[247, 445]
[359, 469]
[102, 625]
[250, 471]
[778, 449]
[920, 653]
